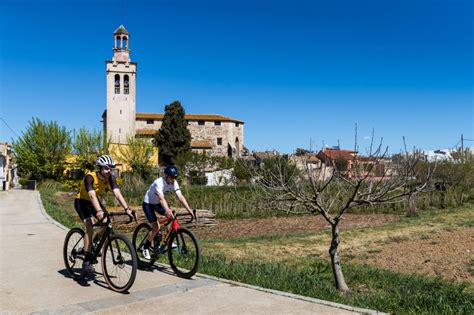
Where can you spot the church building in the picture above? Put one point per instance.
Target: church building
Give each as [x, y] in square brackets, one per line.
[215, 134]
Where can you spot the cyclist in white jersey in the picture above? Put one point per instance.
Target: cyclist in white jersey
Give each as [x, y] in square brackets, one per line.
[154, 200]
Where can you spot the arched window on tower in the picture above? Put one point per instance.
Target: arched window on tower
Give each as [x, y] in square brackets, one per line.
[117, 84]
[126, 84]
[124, 42]
[117, 42]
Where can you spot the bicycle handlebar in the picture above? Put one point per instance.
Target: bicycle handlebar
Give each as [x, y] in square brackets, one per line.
[107, 216]
[193, 216]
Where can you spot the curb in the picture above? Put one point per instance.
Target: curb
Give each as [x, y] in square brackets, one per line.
[46, 215]
[240, 284]
[293, 296]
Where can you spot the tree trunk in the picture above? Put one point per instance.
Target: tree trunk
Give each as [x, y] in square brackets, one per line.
[411, 206]
[336, 263]
[443, 199]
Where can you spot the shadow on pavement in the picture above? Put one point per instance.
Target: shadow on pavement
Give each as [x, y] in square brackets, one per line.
[95, 277]
[158, 267]
[82, 282]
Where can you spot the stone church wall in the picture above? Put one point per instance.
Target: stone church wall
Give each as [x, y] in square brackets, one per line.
[219, 136]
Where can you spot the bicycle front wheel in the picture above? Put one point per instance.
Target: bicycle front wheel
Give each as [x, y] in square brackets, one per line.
[73, 253]
[119, 263]
[139, 237]
[183, 253]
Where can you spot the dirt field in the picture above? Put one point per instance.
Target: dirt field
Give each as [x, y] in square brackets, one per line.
[448, 254]
[227, 229]
[445, 253]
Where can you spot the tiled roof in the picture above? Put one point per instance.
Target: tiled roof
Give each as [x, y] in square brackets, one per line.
[264, 155]
[201, 144]
[206, 117]
[312, 158]
[121, 30]
[335, 154]
[146, 132]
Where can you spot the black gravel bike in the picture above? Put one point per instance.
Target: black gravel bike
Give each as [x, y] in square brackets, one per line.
[179, 245]
[118, 258]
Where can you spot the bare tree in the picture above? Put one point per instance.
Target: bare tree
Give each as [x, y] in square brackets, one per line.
[331, 191]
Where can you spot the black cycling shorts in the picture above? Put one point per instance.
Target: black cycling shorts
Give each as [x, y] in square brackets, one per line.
[150, 209]
[85, 209]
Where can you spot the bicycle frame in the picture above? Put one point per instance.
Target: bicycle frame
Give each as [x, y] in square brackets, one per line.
[174, 223]
[106, 236]
[118, 258]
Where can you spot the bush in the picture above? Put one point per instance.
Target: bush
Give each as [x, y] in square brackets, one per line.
[278, 170]
[71, 184]
[24, 181]
[197, 178]
[243, 171]
[454, 181]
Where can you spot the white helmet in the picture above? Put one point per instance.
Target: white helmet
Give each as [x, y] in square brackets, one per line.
[105, 160]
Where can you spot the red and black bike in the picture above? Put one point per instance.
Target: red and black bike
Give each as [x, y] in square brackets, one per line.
[179, 244]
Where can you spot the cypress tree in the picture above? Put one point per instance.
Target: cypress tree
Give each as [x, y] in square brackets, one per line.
[174, 138]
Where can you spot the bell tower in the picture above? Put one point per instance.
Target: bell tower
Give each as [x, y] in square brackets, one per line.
[119, 117]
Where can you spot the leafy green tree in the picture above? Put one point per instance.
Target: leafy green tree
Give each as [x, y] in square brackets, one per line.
[276, 170]
[137, 154]
[243, 171]
[43, 149]
[197, 178]
[87, 147]
[174, 138]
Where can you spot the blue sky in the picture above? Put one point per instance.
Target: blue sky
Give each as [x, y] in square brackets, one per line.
[297, 72]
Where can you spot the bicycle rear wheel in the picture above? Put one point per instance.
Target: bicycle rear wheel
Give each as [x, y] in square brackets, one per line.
[185, 257]
[138, 240]
[73, 253]
[119, 263]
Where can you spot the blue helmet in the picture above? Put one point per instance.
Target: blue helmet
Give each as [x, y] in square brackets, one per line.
[171, 170]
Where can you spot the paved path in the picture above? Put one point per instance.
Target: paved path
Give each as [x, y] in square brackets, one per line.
[34, 280]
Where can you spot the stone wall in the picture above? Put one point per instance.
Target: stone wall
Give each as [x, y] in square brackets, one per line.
[229, 132]
[220, 136]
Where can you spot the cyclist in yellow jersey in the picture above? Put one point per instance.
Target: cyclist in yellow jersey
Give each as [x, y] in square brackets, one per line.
[87, 203]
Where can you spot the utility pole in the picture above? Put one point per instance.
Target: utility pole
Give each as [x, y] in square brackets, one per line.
[462, 143]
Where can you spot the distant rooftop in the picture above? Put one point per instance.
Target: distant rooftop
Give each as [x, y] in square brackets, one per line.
[205, 117]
